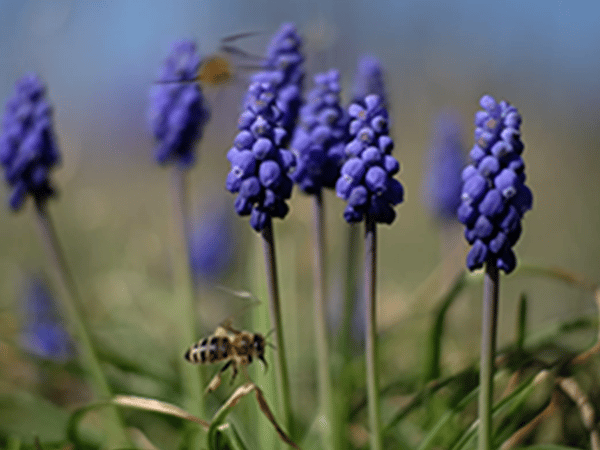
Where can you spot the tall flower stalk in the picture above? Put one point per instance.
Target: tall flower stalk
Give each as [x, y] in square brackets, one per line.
[367, 185]
[318, 143]
[259, 177]
[28, 151]
[177, 117]
[493, 201]
[368, 80]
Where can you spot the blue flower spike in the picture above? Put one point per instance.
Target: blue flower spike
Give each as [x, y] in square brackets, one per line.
[443, 182]
[283, 67]
[178, 112]
[320, 138]
[366, 179]
[259, 165]
[494, 195]
[27, 146]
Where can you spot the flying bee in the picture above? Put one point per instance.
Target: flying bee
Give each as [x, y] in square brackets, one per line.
[218, 68]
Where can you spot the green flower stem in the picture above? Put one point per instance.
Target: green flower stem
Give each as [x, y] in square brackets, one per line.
[71, 304]
[192, 379]
[283, 383]
[488, 348]
[373, 402]
[323, 377]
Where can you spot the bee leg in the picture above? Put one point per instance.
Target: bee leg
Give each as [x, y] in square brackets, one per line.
[216, 381]
[235, 372]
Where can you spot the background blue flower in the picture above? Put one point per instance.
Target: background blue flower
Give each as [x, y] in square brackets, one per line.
[444, 165]
[177, 112]
[283, 66]
[27, 147]
[320, 137]
[42, 333]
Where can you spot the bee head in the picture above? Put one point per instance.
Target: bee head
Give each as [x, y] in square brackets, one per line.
[259, 347]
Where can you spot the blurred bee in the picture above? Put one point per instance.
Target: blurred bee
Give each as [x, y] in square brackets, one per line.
[236, 347]
[218, 69]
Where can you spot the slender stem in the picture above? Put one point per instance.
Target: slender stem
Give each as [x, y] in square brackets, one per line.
[192, 379]
[373, 403]
[283, 384]
[71, 304]
[488, 348]
[323, 378]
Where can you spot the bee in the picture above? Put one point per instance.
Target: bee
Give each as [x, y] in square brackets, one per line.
[237, 347]
[218, 68]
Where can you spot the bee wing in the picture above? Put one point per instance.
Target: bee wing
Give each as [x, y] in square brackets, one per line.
[242, 35]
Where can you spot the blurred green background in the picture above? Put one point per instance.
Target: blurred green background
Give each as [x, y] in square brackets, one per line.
[99, 60]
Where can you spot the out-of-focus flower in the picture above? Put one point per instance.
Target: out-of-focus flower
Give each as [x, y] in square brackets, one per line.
[212, 245]
[443, 183]
[494, 194]
[259, 166]
[368, 79]
[27, 146]
[42, 334]
[366, 181]
[320, 137]
[177, 108]
[283, 67]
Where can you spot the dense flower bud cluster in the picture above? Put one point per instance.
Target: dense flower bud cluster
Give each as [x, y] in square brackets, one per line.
[284, 68]
[368, 79]
[27, 146]
[366, 177]
[177, 108]
[320, 137]
[443, 183]
[494, 196]
[259, 166]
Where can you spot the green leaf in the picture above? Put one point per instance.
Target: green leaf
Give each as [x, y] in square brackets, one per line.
[434, 345]
[519, 395]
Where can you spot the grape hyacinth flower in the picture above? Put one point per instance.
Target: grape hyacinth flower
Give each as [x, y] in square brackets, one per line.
[177, 108]
[283, 67]
[368, 79]
[27, 147]
[494, 194]
[43, 334]
[320, 138]
[259, 166]
[443, 183]
[366, 181]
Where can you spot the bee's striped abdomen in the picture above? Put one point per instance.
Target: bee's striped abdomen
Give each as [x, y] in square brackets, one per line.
[209, 350]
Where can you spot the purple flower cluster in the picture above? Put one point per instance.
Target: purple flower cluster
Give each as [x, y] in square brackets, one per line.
[259, 166]
[27, 147]
[320, 138]
[494, 196]
[443, 184]
[284, 69]
[366, 177]
[368, 79]
[177, 111]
